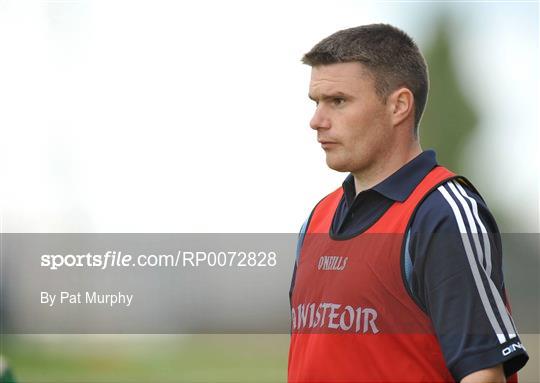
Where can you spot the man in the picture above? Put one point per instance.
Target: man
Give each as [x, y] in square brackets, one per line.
[398, 276]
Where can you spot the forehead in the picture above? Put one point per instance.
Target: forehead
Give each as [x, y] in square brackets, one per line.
[346, 77]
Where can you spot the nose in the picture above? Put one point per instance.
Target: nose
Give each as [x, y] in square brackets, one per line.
[320, 119]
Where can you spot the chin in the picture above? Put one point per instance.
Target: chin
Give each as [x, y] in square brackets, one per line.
[338, 166]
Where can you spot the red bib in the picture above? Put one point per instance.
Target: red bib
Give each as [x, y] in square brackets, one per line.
[352, 318]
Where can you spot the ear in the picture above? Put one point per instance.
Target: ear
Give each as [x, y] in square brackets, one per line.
[401, 104]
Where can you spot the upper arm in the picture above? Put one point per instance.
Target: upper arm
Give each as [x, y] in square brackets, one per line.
[457, 278]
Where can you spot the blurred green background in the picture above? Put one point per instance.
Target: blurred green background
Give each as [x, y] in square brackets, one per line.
[148, 358]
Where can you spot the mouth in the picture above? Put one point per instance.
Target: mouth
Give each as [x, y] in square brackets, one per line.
[326, 144]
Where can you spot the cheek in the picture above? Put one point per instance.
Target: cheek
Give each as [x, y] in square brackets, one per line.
[367, 133]
[359, 127]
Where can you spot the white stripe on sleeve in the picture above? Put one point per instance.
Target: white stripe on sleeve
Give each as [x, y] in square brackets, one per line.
[507, 321]
[485, 237]
[474, 267]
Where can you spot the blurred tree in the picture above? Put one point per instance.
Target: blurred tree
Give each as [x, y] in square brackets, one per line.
[6, 376]
[449, 119]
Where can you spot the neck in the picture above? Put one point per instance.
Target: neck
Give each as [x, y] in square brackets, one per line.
[384, 167]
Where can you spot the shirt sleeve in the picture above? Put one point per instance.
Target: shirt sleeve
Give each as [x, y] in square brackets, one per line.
[457, 279]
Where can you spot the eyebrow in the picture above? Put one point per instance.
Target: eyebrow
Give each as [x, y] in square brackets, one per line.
[329, 96]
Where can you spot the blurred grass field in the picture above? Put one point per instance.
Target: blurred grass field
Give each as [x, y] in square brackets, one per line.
[167, 358]
[147, 358]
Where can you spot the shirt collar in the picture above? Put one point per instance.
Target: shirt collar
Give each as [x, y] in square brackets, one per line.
[400, 184]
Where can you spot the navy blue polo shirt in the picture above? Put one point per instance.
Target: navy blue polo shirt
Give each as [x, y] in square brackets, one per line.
[452, 264]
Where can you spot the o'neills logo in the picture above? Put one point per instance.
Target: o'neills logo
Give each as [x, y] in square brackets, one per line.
[327, 262]
[334, 316]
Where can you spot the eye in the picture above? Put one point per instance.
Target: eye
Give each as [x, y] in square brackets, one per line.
[337, 101]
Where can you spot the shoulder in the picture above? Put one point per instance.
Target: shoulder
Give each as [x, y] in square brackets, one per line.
[451, 228]
[454, 206]
[325, 208]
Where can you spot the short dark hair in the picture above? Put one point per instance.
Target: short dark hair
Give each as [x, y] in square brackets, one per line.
[389, 54]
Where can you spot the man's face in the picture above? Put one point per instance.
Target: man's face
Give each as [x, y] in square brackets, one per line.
[352, 122]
